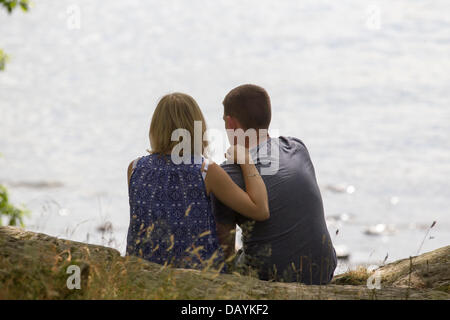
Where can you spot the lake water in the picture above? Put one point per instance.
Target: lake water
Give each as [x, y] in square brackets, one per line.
[364, 84]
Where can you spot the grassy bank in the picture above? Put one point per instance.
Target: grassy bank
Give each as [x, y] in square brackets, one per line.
[34, 266]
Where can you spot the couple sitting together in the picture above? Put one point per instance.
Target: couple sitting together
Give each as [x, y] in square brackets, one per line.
[185, 214]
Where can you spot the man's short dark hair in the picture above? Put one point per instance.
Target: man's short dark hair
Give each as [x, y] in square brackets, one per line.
[250, 105]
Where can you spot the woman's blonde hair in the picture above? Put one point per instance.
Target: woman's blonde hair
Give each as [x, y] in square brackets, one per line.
[175, 111]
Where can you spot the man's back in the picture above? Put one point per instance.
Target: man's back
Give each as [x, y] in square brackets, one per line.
[294, 243]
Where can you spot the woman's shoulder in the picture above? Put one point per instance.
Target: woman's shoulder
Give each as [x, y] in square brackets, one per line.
[132, 166]
[133, 163]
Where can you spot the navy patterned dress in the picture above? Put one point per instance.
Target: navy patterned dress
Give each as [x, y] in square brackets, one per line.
[171, 219]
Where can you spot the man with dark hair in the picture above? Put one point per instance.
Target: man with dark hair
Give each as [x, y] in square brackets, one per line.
[294, 244]
[250, 105]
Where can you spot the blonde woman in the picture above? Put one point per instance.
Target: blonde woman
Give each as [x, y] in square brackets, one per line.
[171, 220]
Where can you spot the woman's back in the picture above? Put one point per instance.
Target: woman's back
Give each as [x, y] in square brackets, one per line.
[170, 214]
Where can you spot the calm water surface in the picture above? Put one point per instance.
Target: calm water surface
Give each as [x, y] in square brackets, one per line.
[368, 96]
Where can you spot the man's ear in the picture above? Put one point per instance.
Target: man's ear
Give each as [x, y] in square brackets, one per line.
[232, 123]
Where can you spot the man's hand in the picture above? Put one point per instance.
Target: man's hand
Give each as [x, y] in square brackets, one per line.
[227, 238]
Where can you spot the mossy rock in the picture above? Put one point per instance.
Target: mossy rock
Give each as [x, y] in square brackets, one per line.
[34, 265]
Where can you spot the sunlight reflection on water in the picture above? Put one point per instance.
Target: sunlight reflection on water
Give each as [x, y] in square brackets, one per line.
[371, 105]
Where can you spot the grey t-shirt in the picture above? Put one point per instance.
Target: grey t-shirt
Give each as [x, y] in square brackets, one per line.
[294, 243]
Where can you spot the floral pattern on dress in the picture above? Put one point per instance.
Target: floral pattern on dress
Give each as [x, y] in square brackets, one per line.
[171, 219]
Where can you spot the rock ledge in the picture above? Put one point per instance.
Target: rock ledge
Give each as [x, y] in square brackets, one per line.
[34, 266]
